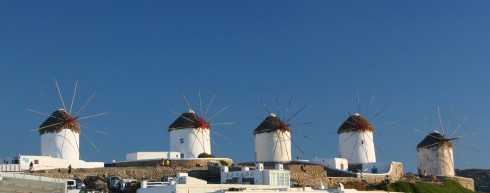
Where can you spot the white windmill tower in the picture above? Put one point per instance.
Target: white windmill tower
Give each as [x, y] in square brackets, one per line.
[356, 140]
[190, 133]
[435, 153]
[60, 136]
[356, 135]
[60, 132]
[273, 136]
[272, 140]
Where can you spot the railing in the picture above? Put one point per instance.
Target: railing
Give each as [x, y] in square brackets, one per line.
[146, 184]
[10, 168]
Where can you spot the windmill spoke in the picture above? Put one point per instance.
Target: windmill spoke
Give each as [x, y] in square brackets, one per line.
[90, 141]
[350, 136]
[377, 147]
[285, 147]
[277, 106]
[223, 109]
[41, 113]
[449, 119]
[354, 147]
[77, 143]
[340, 119]
[364, 145]
[460, 125]
[466, 147]
[345, 109]
[300, 124]
[275, 146]
[464, 157]
[287, 108]
[440, 121]
[209, 105]
[379, 112]
[183, 117]
[186, 101]
[85, 104]
[46, 126]
[464, 135]
[92, 129]
[358, 103]
[216, 145]
[226, 123]
[92, 116]
[48, 100]
[370, 104]
[63, 144]
[297, 113]
[221, 135]
[296, 145]
[265, 107]
[59, 93]
[73, 98]
[193, 142]
[430, 122]
[300, 134]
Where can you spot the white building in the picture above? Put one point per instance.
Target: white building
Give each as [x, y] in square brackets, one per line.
[22, 163]
[190, 135]
[258, 176]
[187, 184]
[335, 163]
[356, 140]
[139, 156]
[272, 141]
[435, 155]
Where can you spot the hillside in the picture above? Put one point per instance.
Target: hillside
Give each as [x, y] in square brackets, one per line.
[481, 177]
[423, 187]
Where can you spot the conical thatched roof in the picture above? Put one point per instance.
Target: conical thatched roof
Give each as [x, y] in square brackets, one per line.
[434, 139]
[58, 121]
[355, 123]
[189, 120]
[271, 124]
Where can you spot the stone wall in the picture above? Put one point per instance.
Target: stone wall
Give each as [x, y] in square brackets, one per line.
[311, 175]
[176, 163]
[468, 183]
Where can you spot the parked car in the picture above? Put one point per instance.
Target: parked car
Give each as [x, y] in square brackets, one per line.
[70, 184]
[79, 183]
[97, 183]
[115, 183]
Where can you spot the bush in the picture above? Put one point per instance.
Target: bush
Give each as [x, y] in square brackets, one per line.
[422, 187]
[223, 162]
[205, 155]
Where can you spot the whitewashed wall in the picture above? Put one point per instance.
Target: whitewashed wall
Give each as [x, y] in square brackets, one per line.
[436, 160]
[46, 163]
[357, 147]
[64, 144]
[190, 142]
[273, 146]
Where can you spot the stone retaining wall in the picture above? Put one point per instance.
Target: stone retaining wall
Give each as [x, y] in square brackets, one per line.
[174, 163]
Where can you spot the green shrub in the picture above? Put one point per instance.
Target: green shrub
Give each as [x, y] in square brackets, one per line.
[422, 187]
[205, 155]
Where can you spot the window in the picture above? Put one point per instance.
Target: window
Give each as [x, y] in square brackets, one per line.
[181, 140]
[36, 161]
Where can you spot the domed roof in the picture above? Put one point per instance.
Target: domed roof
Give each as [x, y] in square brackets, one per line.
[271, 124]
[58, 121]
[355, 123]
[434, 139]
[189, 120]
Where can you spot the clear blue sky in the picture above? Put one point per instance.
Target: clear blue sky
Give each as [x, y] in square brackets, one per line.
[141, 56]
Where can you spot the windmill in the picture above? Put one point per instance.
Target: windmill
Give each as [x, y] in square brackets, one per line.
[60, 132]
[356, 135]
[273, 136]
[435, 152]
[190, 133]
